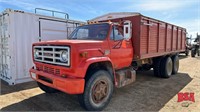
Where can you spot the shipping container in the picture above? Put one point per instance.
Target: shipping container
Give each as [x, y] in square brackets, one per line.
[151, 37]
[18, 30]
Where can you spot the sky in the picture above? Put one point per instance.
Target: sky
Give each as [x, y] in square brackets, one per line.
[185, 13]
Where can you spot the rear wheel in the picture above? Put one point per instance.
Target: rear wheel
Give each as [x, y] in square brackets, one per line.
[166, 67]
[175, 61]
[156, 66]
[193, 53]
[146, 67]
[198, 52]
[187, 52]
[98, 91]
[46, 88]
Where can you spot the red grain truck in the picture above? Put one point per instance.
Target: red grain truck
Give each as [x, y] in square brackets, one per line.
[106, 53]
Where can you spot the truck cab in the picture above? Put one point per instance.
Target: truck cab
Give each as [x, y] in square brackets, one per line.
[95, 58]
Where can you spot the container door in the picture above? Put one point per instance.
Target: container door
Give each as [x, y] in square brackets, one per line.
[55, 30]
[4, 48]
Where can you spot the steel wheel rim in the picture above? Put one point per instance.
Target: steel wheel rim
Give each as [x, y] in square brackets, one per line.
[100, 91]
[169, 67]
[176, 65]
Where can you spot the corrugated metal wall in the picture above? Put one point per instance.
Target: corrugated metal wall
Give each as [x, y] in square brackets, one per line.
[5, 64]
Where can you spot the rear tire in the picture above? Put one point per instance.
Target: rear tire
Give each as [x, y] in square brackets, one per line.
[193, 53]
[166, 67]
[156, 66]
[187, 52]
[146, 67]
[98, 91]
[175, 61]
[46, 88]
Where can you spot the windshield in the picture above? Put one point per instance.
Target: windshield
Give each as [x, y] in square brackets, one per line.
[90, 32]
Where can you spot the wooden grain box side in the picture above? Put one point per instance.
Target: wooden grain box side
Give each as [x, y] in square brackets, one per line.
[159, 38]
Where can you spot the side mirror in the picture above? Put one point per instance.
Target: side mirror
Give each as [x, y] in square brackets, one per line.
[127, 30]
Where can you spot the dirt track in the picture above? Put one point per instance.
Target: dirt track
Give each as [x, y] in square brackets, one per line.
[148, 93]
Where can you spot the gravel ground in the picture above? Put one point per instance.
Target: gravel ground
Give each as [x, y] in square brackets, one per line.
[148, 93]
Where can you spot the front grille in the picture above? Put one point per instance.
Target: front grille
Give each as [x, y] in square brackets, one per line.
[47, 69]
[52, 55]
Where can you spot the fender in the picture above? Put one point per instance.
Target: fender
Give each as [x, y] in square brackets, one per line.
[82, 68]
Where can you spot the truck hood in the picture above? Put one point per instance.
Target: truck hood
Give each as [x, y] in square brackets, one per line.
[68, 42]
[93, 47]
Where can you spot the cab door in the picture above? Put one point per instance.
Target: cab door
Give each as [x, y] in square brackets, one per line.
[121, 49]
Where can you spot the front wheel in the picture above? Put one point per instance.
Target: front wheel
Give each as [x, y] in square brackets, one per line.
[98, 91]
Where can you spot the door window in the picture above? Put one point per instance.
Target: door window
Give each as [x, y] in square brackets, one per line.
[115, 34]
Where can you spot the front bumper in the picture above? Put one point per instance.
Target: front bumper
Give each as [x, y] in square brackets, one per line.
[67, 85]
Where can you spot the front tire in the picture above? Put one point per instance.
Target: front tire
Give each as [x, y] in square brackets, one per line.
[98, 91]
[46, 88]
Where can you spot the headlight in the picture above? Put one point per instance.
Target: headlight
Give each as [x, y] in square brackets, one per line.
[64, 56]
[36, 53]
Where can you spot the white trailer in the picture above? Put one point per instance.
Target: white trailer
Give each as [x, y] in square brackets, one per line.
[18, 30]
